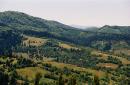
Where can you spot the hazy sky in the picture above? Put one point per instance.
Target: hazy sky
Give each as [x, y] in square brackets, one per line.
[78, 12]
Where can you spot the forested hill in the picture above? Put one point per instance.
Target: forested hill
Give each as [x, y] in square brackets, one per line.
[18, 19]
[29, 25]
[35, 51]
[11, 20]
[26, 23]
[115, 29]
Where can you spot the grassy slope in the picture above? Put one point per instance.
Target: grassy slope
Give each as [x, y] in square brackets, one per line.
[58, 29]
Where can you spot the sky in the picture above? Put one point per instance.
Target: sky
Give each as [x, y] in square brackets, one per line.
[74, 12]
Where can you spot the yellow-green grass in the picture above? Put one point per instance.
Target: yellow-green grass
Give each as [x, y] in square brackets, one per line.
[34, 41]
[3, 59]
[46, 80]
[108, 65]
[67, 46]
[20, 82]
[30, 72]
[74, 67]
[124, 61]
[19, 54]
[105, 56]
[100, 54]
[14, 61]
[122, 51]
[48, 59]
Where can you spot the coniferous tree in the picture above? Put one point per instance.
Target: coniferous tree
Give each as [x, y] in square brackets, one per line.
[61, 82]
[96, 80]
[73, 81]
[37, 78]
[4, 78]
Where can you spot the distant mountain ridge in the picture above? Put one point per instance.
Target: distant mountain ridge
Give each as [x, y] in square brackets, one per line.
[11, 18]
[115, 29]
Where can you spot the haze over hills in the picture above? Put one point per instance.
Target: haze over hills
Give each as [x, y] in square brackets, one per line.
[78, 26]
[83, 27]
[58, 54]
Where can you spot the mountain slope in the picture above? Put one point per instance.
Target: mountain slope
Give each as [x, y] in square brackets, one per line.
[32, 48]
[29, 25]
[115, 29]
[23, 22]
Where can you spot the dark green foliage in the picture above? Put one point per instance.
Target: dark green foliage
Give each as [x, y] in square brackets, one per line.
[13, 81]
[24, 62]
[13, 25]
[96, 80]
[13, 77]
[61, 81]
[4, 78]
[37, 78]
[43, 28]
[114, 60]
[8, 40]
[72, 81]
[51, 76]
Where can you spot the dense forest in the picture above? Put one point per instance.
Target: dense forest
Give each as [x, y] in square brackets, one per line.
[35, 51]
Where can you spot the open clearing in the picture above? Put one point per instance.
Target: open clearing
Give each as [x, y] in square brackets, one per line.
[105, 56]
[67, 46]
[34, 41]
[74, 67]
[108, 65]
[30, 72]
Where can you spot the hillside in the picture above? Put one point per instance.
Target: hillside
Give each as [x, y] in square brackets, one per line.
[29, 25]
[35, 51]
[115, 29]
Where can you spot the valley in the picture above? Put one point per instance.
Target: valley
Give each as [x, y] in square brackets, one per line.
[35, 51]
